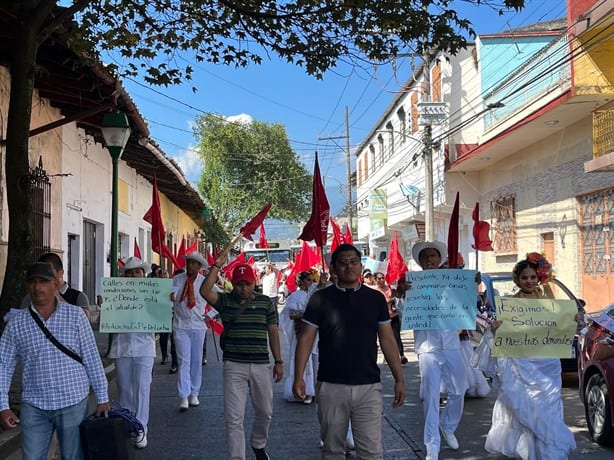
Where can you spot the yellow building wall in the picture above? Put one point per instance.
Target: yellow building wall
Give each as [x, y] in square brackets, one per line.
[594, 61]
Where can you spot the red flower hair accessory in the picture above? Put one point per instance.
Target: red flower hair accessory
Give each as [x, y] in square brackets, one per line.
[544, 268]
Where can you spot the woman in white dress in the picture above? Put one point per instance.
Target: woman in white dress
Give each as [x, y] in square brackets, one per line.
[290, 321]
[527, 419]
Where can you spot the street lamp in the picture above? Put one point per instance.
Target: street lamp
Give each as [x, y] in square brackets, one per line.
[116, 132]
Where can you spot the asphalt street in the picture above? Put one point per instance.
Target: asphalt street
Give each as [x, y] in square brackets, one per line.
[199, 432]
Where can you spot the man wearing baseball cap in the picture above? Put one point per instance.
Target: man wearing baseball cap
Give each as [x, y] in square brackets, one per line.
[56, 378]
[250, 329]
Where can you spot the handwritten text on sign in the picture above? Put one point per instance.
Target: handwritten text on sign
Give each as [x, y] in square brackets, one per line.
[136, 305]
[534, 328]
[440, 299]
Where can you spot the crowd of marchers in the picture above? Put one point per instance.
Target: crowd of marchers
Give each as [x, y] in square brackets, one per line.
[334, 324]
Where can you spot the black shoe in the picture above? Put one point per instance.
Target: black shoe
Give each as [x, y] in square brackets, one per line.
[172, 370]
[261, 454]
[403, 360]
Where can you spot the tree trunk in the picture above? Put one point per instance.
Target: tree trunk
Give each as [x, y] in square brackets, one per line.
[17, 167]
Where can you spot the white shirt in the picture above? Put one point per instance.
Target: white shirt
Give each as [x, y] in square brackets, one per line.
[133, 345]
[269, 284]
[432, 340]
[184, 317]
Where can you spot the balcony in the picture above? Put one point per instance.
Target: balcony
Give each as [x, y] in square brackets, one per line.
[603, 142]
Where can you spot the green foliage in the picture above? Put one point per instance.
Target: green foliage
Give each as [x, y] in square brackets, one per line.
[247, 165]
[155, 37]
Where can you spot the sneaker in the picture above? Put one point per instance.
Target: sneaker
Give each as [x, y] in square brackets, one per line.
[261, 454]
[432, 454]
[308, 400]
[141, 442]
[193, 400]
[403, 360]
[172, 370]
[183, 406]
[450, 439]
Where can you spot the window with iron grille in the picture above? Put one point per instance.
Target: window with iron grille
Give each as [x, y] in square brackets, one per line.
[41, 209]
[503, 215]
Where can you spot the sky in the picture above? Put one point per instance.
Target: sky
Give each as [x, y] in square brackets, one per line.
[310, 109]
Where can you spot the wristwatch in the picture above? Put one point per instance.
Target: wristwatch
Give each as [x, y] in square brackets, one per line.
[278, 361]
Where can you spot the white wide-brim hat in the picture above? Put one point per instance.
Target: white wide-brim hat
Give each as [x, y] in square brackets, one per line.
[134, 262]
[422, 245]
[198, 258]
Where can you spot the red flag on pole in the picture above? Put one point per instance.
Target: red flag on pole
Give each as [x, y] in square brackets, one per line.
[192, 247]
[250, 228]
[309, 258]
[337, 236]
[154, 217]
[347, 237]
[481, 230]
[180, 259]
[396, 265]
[453, 236]
[316, 228]
[210, 258]
[137, 250]
[262, 242]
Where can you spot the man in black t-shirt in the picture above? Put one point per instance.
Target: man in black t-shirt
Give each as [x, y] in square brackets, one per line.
[349, 319]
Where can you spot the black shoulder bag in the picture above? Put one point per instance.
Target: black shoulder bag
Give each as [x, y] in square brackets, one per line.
[52, 338]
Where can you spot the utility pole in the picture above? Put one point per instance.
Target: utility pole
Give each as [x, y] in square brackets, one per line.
[347, 164]
[429, 218]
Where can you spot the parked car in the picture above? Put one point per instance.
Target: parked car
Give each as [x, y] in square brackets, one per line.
[596, 374]
[501, 284]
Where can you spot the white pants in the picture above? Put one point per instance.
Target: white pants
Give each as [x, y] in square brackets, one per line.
[133, 384]
[189, 346]
[437, 367]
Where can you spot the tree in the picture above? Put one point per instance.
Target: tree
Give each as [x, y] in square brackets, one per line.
[248, 164]
[151, 36]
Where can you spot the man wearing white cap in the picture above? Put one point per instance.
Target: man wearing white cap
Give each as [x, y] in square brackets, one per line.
[134, 354]
[189, 329]
[440, 360]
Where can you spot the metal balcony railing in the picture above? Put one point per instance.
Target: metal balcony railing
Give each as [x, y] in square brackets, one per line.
[603, 132]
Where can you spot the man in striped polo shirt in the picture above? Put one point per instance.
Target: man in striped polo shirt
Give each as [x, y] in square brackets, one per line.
[250, 329]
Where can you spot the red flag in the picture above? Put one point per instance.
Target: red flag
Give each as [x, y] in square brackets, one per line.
[453, 236]
[347, 237]
[137, 250]
[180, 258]
[316, 227]
[250, 228]
[216, 327]
[337, 236]
[396, 265]
[481, 230]
[230, 267]
[154, 217]
[291, 280]
[210, 258]
[192, 248]
[309, 258]
[262, 242]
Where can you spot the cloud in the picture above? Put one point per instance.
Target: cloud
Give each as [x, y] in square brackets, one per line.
[241, 118]
[190, 163]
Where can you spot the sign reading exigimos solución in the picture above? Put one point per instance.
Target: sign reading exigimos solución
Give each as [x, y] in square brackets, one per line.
[534, 328]
[136, 305]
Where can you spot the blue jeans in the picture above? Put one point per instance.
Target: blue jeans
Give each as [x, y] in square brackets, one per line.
[37, 427]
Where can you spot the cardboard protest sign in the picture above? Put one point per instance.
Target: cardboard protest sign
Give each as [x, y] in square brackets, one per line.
[440, 299]
[136, 305]
[534, 328]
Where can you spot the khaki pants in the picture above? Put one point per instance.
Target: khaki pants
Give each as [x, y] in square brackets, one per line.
[362, 404]
[239, 380]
